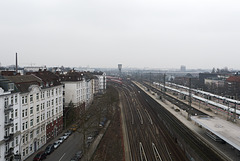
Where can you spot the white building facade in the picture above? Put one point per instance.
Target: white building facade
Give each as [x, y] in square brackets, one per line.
[9, 121]
[41, 111]
[102, 80]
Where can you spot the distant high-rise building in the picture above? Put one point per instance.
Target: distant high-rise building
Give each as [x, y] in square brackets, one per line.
[120, 69]
[183, 68]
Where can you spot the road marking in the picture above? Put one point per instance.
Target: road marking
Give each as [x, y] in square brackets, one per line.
[62, 157]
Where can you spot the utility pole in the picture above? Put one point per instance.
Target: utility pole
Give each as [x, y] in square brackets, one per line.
[234, 113]
[150, 77]
[190, 98]
[164, 83]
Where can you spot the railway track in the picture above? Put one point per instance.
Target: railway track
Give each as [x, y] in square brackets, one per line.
[179, 129]
[147, 141]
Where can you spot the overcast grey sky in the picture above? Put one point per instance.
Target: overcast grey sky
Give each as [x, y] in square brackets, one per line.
[136, 33]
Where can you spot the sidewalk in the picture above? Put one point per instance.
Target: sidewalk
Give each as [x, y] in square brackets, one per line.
[95, 143]
[30, 158]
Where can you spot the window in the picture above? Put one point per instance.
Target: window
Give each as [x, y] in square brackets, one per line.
[22, 100]
[37, 108]
[23, 126]
[30, 148]
[16, 112]
[48, 93]
[16, 99]
[31, 110]
[31, 134]
[16, 126]
[42, 95]
[37, 96]
[11, 100]
[38, 119]
[52, 102]
[25, 99]
[31, 122]
[52, 92]
[10, 86]
[23, 153]
[31, 98]
[26, 112]
[12, 129]
[56, 101]
[26, 124]
[12, 114]
[43, 105]
[6, 102]
[23, 139]
[37, 131]
[52, 112]
[26, 137]
[22, 113]
[16, 140]
[26, 150]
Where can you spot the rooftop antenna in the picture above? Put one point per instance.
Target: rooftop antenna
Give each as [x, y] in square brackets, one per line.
[16, 64]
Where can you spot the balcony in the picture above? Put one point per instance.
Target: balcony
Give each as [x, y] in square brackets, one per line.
[9, 153]
[8, 122]
[8, 138]
[8, 108]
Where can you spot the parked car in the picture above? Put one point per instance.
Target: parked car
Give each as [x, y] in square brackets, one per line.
[74, 127]
[74, 158]
[49, 149]
[61, 139]
[79, 154]
[56, 144]
[40, 156]
[69, 132]
[65, 136]
[90, 139]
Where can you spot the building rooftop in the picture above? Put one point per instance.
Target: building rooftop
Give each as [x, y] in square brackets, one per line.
[23, 82]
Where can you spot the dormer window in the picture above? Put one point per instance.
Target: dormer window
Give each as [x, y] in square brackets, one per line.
[10, 86]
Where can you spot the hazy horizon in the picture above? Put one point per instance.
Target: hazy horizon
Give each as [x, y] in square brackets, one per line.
[138, 34]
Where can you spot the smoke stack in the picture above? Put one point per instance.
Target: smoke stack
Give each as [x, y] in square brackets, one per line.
[16, 64]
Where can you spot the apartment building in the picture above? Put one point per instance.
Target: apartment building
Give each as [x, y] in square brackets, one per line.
[41, 109]
[74, 89]
[9, 120]
[102, 81]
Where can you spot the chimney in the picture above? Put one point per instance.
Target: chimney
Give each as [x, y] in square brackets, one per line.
[16, 64]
